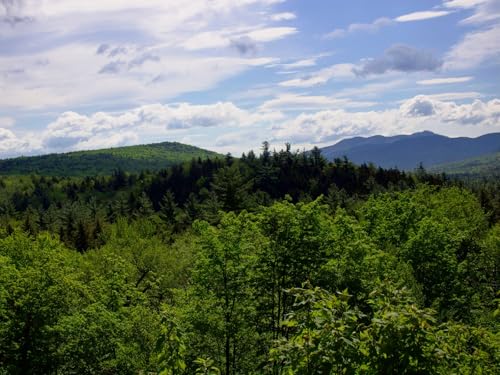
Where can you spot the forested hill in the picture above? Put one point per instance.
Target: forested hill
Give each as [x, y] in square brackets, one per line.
[105, 161]
[408, 151]
[487, 166]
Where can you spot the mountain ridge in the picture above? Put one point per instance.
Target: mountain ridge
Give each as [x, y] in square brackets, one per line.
[408, 151]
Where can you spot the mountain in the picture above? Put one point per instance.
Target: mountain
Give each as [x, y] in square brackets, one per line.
[408, 151]
[487, 166]
[104, 162]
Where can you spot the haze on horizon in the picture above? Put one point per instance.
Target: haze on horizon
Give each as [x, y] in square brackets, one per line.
[227, 74]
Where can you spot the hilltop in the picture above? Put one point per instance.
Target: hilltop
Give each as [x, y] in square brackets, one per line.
[105, 161]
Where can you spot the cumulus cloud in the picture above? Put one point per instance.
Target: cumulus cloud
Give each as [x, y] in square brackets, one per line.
[400, 58]
[415, 114]
[73, 131]
[328, 126]
[419, 106]
[10, 143]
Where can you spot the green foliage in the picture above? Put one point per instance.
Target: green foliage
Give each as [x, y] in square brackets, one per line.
[396, 337]
[208, 268]
[487, 166]
[105, 161]
[325, 335]
[170, 347]
[223, 287]
[206, 367]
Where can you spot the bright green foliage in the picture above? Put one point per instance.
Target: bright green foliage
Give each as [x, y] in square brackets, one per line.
[298, 239]
[171, 348]
[223, 288]
[166, 272]
[330, 336]
[71, 316]
[206, 367]
[401, 336]
[325, 335]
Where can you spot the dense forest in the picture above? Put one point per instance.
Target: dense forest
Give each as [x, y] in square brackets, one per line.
[277, 263]
[104, 161]
[480, 167]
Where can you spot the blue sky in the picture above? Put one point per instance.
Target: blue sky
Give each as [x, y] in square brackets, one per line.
[228, 74]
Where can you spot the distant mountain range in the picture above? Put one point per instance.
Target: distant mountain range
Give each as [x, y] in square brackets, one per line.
[408, 151]
[105, 161]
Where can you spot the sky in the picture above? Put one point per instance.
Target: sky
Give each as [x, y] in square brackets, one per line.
[226, 75]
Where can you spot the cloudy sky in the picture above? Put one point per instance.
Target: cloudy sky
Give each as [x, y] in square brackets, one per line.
[227, 74]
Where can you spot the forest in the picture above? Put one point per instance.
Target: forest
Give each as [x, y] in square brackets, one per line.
[277, 263]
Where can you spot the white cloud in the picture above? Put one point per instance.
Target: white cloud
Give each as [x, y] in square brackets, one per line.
[322, 76]
[294, 102]
[444, 81]
[382, 22]
[73, 131]
[420, 16]
[484, 10]
[6, 122]
[271, 33]
[374, 89]
[227, 37]
[475, 113]
[56, 51]
[463, 3]
[359, 27]
[477, 47]
[72, 78]
[415, 114]
[451, 96]
[286, 16]
[330, 125]
[10, 143]
[304, 63]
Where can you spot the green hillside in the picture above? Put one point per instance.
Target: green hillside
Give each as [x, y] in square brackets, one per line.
[105, 161]
[487, 166]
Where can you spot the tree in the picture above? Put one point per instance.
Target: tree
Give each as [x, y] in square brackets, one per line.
[231, 188]
[222, 283]
[168, 208]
